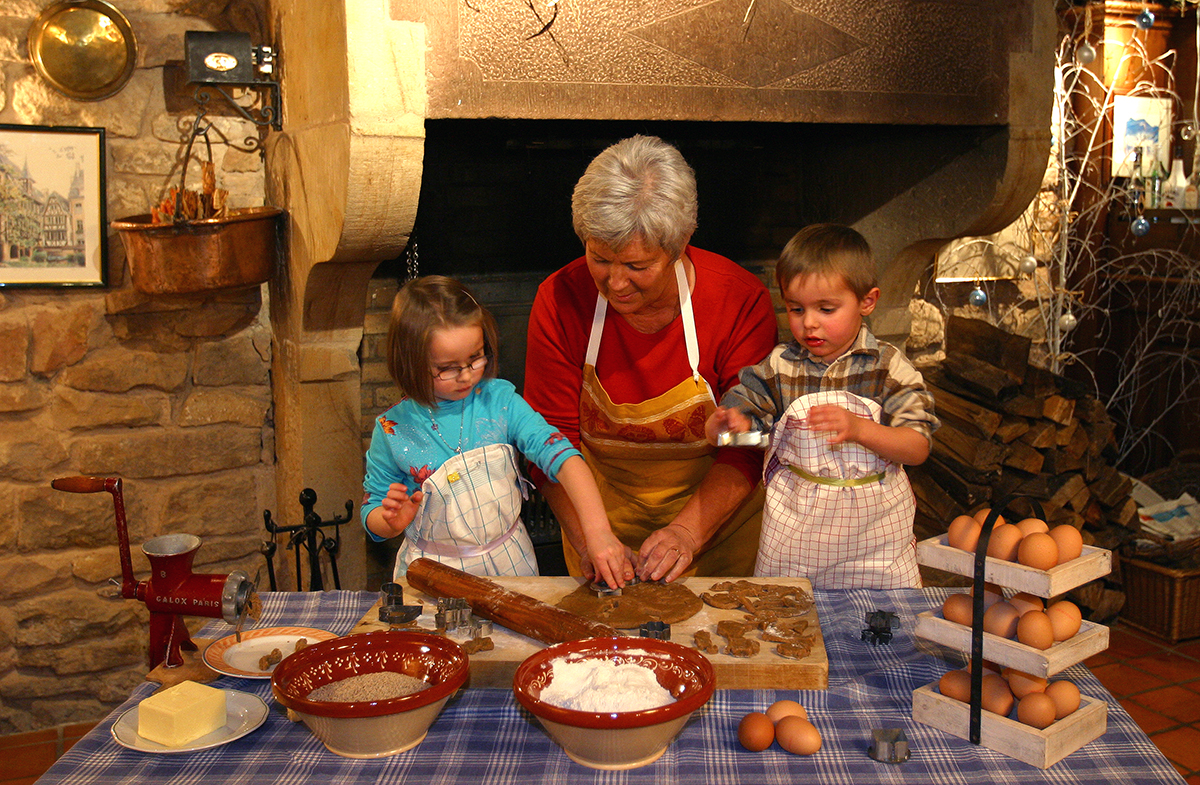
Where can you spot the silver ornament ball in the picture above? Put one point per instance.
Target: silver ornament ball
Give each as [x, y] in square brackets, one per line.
[1140, 226]
[1085, 53]
[978, 297]
[1028, 265]
[1145, 20]
[1067, 322]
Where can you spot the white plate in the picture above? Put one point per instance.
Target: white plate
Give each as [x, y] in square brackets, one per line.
[243, 713]
[241, 659]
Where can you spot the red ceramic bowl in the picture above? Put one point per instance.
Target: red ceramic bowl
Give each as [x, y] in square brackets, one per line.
[371, 729]
[618, 740]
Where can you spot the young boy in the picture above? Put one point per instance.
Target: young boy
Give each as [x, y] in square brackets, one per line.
[845, 411]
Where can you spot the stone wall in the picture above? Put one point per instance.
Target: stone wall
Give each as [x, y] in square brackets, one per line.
[171, 394]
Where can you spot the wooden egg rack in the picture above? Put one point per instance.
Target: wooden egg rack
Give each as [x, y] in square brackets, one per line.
[1041, 748]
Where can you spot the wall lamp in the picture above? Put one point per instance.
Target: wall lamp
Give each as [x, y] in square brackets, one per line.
[220, 61]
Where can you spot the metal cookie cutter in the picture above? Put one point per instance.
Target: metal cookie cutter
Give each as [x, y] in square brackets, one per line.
[601, 588]
[890, 745]
[659, 630]
[745, 439]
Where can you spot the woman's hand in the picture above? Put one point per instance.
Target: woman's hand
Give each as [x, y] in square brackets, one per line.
[666, 553]
[399, 508]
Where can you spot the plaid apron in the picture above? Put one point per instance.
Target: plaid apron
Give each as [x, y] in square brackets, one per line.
[649, 456]
[470, 517]
[838, 515]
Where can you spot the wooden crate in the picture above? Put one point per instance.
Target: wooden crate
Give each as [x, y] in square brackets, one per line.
[1161, 600]
[1041, 748]
[1091, 639]
[1093, 563]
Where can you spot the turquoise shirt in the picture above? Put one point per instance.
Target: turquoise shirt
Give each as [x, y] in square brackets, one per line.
[406, 448]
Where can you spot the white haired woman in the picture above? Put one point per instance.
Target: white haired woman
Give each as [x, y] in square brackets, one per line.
[630, 346]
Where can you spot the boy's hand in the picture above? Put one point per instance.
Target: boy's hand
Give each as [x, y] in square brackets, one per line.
[724, 419]
[840, 424]
[399, 508]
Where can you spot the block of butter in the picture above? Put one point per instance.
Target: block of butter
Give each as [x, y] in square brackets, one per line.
[181, 713]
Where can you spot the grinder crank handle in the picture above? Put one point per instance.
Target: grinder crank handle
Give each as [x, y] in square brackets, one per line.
[84, 484]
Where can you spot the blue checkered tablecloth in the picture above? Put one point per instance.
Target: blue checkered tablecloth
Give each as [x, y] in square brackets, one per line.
[484, 736]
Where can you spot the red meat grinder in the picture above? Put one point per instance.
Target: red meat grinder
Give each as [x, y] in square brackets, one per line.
[173, 590]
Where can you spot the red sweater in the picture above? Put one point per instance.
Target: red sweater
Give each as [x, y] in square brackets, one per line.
[735, 327]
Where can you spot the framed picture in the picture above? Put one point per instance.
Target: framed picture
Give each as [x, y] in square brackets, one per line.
[52, 216]
[1142, 122]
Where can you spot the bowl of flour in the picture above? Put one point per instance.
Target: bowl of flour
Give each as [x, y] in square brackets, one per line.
[614, 703]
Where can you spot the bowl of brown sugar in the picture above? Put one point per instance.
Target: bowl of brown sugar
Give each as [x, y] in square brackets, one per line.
[374, 694]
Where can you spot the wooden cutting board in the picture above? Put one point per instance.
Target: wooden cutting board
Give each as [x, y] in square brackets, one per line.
[765, 670]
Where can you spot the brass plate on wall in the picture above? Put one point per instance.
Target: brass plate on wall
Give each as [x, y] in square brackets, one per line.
[85, 49]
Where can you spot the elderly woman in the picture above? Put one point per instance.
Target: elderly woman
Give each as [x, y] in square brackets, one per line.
[630, 347]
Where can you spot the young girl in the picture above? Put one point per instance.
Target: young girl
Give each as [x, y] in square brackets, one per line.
[442, 465]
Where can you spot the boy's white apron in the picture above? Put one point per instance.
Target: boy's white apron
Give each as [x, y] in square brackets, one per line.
[837, 514]
[470, 517]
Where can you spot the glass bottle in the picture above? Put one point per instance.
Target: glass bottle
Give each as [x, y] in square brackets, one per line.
[1157, 183]
[1137, 183]
[1173, 191]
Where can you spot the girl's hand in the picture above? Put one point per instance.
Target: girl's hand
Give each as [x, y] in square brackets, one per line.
[399, 507]
[666, 553]
[840, 424]
[609, 560]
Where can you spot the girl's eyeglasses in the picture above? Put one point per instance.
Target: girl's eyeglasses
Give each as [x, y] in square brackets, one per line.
[452, 372]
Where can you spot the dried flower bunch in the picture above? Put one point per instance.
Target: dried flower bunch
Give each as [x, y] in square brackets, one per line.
[188, 205]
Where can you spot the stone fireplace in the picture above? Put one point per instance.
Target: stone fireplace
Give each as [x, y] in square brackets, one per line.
[916, 122]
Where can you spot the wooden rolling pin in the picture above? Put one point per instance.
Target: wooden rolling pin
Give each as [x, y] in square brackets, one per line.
[518, 612]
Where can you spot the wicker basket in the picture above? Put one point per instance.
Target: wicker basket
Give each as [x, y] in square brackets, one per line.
[1161, 600]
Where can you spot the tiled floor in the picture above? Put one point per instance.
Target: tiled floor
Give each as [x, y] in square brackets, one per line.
[1159, 685]
[1157, 682]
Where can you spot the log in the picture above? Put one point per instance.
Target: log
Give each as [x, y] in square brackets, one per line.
[1041, 435]
[1077, 446]
[1059, 462]
[977, 338]
[1022, 456]
[1071, 486]
[518, 612]
[1111, 487]
[1064, 433]
[1012, 428]
[933, 500]
[1059, 409]
[968, 450]
[964, 413]
[983, 378]
[967, 493]
[1023, 406]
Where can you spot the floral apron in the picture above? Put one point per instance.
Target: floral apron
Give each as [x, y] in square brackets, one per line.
[470, 516]
[838, 515]
[648, 457]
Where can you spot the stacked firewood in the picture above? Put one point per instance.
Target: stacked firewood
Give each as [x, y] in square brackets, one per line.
[1013, 429]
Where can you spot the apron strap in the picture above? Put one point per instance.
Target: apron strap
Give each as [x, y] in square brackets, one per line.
[689, 327]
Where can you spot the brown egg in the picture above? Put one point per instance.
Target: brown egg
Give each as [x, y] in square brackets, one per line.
[992, 594]
[1069, 541]
[1038, 550]
[956, 684]
[1031, 525]
[1004, 542]
[1023, 601]
[1036, 709]
[997, 697]
[785, 708]
[958, 609]
[1065, 696]
[963, 533]
[1034, 629]
[1022, 683]
[1001, 619]
[797, 735]
[1065, 619]
[756, 731]
[982, 514]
